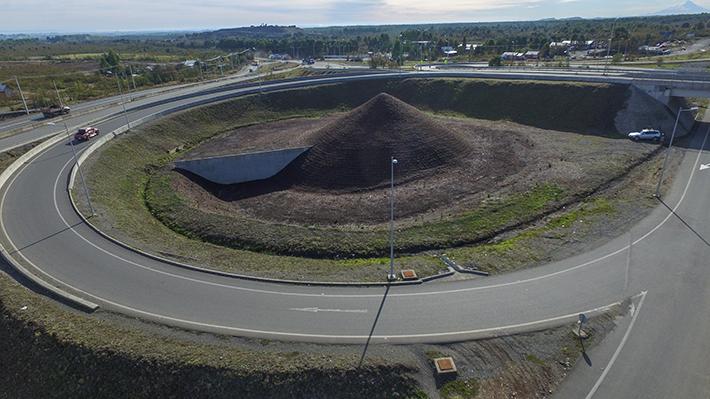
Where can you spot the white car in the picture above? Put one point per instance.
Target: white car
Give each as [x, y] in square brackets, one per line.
[646, 134]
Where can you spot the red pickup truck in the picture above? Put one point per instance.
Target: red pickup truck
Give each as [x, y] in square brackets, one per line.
[86, 133]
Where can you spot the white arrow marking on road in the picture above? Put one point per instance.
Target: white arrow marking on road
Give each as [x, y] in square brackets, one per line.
[703, 167]
[316, 310]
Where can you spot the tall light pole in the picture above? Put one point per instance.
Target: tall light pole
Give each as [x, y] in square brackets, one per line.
[668, 151]
[78, 167]
[391, 276]
[56, 90]
[22, 95]
[608, 46]
[123, 100]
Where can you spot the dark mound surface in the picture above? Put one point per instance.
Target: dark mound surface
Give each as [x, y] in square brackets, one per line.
[444, 166]
[353, 151]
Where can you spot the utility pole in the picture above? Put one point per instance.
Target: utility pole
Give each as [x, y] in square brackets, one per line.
[608, 46]
[133, 79]
[123, 101]
[391, 276]
[27, 110]
[668, 151]
[61, 103]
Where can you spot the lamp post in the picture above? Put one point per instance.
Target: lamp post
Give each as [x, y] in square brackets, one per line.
[123, 100]
[391, 276]
[22, 95]
[608, 46]
[78, 167]
[670, 144]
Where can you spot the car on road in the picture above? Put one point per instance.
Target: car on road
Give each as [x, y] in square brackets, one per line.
[55, 110]
[647, 135]
[85, 133]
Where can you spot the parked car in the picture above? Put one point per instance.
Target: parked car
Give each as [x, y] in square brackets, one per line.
[85, 133]
[646, 134]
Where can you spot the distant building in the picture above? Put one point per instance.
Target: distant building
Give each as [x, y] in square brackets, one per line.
[531, 55]
[512, 56]
[469, 47]
[6, 90]
[448, 51]
[279, 57]
[597, 52]
[654, 50]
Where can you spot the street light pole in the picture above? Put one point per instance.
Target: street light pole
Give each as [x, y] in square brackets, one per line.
[391, 276]
[56, 90]
[22, 95]
[123, 100]
[78, 167]
[608, 46]
[670, 145]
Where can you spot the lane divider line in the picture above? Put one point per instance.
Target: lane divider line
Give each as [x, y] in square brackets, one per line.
[619, 348]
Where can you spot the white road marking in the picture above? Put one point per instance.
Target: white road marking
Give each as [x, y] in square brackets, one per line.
[618, 349]
[317, 309]
[705, 166]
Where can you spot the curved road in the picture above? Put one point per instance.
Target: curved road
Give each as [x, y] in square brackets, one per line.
[667, 273]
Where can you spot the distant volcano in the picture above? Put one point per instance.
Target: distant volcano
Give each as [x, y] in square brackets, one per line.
[685, 8]
[353, 151]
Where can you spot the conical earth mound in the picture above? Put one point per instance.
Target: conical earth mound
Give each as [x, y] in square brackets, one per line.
[353, 152]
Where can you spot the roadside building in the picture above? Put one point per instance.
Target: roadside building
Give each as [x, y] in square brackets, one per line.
[512, 56]
[448, 51]
[532, 55]
[597, 52]
[280, 57]
[469, 47]
[6, 90]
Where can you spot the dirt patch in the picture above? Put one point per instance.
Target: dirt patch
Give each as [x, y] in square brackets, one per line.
[343, 178]
[458, 181]
[445, 165]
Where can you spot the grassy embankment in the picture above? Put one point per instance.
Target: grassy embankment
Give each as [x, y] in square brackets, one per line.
[120, 194]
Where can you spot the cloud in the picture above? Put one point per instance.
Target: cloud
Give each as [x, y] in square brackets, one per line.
[92, 15]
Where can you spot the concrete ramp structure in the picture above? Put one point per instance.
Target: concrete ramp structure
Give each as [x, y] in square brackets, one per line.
[241, 168]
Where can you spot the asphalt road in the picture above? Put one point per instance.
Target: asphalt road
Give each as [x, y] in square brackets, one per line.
[665, 349]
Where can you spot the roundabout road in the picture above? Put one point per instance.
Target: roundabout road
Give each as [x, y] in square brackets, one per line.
[670, 263]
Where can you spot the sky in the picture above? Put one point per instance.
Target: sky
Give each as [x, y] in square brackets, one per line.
[63, 16]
